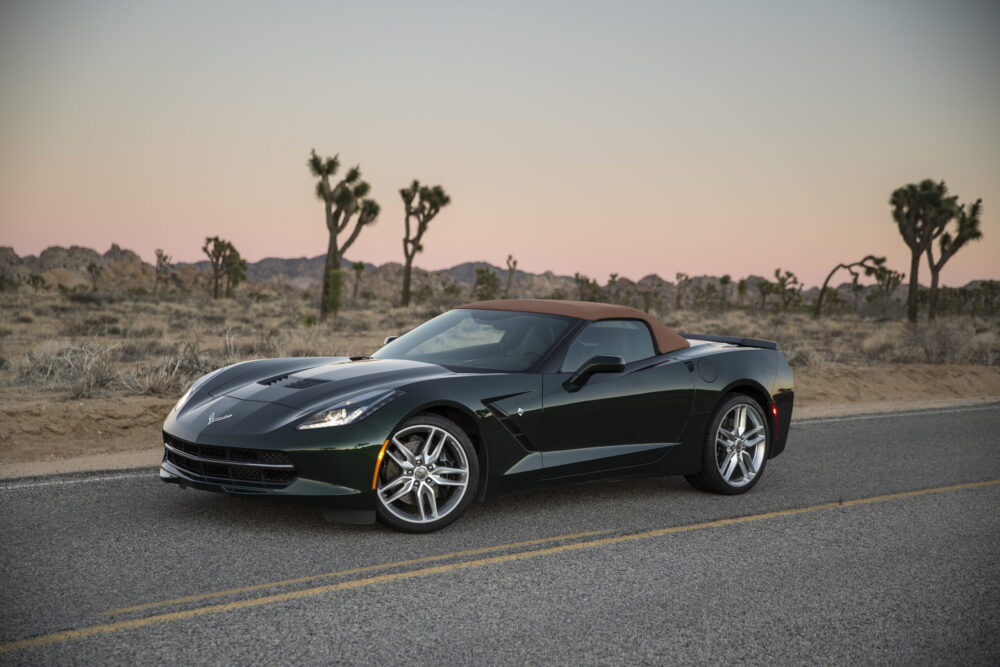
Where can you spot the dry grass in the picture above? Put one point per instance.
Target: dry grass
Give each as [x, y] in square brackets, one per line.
[853, 340]
[138, 346]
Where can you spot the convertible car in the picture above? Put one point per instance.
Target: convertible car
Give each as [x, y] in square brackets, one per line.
[488, 399]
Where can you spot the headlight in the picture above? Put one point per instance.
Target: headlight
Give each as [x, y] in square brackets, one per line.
[351, 409]
[197, 384]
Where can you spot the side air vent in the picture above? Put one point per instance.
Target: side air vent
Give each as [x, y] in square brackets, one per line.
[508, 423]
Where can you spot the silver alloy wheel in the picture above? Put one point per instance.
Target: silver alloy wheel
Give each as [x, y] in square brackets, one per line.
[424, 474]
[740, 444]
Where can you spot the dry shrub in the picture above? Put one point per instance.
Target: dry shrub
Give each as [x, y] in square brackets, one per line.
[802, 354]
[169, 376]
[82, 368]
[144, 332]
[882, 346]
[99, 325]
[137, 350]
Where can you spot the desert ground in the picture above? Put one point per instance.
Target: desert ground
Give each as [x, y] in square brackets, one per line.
[87, 379]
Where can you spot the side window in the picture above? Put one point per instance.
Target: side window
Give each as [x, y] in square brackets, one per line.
[628, 339]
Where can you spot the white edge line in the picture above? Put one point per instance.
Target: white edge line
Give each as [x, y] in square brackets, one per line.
[890, 415]
[80, 480]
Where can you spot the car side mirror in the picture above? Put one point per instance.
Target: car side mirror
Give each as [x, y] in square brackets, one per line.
[389, 339]
[601, 363]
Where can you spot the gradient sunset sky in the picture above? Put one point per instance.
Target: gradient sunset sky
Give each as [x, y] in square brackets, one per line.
[637, 138]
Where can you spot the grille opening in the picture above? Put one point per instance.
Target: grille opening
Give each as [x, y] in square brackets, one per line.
[230, 463]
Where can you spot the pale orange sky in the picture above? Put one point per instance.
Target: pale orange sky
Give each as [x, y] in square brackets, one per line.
[634, 138]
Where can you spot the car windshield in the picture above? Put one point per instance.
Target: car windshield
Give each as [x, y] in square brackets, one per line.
[486, 340]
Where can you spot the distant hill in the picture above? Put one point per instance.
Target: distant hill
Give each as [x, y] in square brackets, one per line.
[77, 268]
[125, 269]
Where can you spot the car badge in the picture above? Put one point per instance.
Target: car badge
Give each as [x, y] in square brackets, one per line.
[212, 418]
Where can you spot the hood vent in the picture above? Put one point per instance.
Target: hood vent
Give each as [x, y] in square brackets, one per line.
[297, 383]
[305, 383]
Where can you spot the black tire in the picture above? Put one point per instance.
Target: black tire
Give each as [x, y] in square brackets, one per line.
[395, 516]
[715, 455]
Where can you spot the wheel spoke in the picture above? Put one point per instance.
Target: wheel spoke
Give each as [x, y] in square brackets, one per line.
[754, 432]
[431, 500]
[740, 419]
[431, 454]
[405, 451]
[402, 492]
[445, 481]
[424, 492]
[746, 466]
[395, 459]
[728, 465]
[756, 441]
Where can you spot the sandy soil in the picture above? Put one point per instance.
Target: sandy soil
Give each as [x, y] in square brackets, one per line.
[42, 434]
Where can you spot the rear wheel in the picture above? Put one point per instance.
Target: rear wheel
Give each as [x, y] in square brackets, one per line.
[734, 453]
[428, 477]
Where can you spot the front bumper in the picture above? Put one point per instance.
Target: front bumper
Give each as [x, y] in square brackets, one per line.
[339, 504]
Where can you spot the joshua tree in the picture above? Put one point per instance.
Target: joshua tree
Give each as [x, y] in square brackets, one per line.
[724, 283]
[921, 212]
[358, 268]
[856, 290]
[764, 288]
[649, 299]
[217, 251]
[787, 287]
[342, 201]
[682, 282]
[162, 269]
[612, 288]
[487, 285]
[422, 204]
[94, 271]
[334, 293]
[887, 281]
[741, 291]
[511, 268]
[968, 230]
[235, 268]
[869, 264]
[587, 289]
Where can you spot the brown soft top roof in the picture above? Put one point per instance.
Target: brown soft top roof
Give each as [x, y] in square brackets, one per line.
[666, 340]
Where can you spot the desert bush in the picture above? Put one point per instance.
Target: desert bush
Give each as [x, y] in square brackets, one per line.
[144, 332]
[99, 325]
[802, 354]
[168, 377]
[137, 350]
[87, 298]
[82, 368]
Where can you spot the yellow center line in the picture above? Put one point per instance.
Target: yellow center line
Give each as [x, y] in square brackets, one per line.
[356, 570]
[81, 633]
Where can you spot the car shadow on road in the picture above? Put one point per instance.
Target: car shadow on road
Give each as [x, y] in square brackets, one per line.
[591, 506]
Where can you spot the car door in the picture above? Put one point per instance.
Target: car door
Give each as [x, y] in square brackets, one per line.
[615, 421]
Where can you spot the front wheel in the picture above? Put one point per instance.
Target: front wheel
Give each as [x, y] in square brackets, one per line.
[428, 477]
[735, 449]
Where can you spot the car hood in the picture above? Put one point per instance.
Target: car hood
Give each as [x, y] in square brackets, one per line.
[331, 381]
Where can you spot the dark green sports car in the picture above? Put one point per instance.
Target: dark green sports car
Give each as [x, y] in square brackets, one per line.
[487, 399]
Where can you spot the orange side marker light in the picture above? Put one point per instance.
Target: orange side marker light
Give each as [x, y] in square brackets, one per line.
[378, 464]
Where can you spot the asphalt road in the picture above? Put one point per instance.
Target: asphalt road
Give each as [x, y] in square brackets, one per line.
[796, 571]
